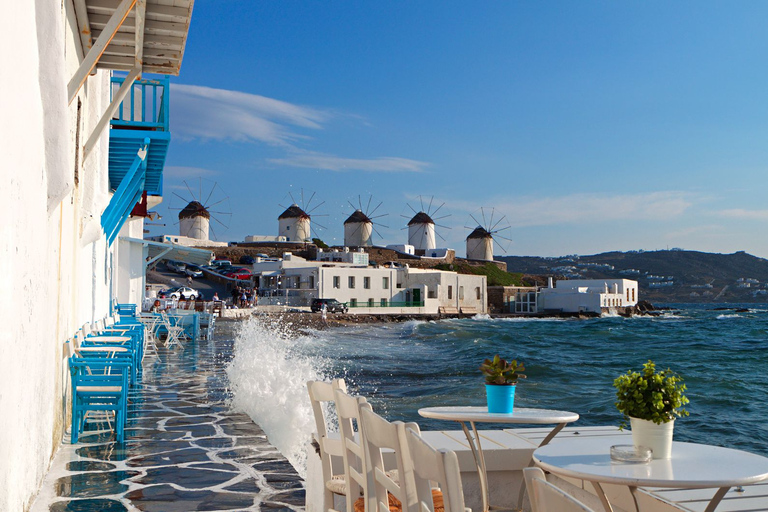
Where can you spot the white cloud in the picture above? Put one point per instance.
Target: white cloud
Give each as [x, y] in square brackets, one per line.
[218, 114]
[739, 213]
[586, 208]
[339, 164]
[175, 171]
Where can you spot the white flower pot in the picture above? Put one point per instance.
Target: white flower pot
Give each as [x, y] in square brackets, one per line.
[656, 437]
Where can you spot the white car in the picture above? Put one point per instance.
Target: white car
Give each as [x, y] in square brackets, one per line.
[182, 291]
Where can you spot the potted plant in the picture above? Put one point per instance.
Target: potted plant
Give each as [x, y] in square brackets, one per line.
[500, 382]
[651, 400]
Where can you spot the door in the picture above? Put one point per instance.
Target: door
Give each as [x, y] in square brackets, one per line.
[416, 296]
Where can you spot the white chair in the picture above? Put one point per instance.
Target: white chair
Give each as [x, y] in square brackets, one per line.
[175, 332]
[439, 466]
[546, 497]
[348, 409]
[385, 493]
[320, 395]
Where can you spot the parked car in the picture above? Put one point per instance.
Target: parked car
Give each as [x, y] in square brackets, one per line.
[239, 273]
[221, 263]
[247, 260]
[331, 305]
[193, 271]
[176, 266]
[179, 292]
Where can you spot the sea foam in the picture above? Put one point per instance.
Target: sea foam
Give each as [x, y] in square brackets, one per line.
[268, 375]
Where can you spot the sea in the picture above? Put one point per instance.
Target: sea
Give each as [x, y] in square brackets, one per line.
[720, 350]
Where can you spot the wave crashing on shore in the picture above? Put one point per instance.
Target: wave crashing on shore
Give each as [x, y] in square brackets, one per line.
[268, 374]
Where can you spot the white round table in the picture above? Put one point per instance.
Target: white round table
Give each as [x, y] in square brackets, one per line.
[521, 415]
[693, 466]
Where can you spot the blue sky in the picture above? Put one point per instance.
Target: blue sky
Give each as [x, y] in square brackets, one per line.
[592, 126]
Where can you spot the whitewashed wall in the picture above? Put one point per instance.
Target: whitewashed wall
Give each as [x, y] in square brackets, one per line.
[53, 259]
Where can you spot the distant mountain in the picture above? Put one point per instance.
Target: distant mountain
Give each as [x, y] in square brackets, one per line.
[664, 276]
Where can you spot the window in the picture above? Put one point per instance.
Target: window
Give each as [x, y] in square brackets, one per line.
[477, 293]
[384, 301]
[385, 283]
[450, 291]
[370, 303]
[351, 281]
[461, 293]
[353, 303]
[367, 283]
[633, 294]
[311, 281]
[336, 281]
[287, 228]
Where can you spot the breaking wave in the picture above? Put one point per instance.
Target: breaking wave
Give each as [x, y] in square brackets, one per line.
[268, 375]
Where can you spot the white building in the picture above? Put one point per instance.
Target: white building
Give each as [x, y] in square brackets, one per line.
[358, 229]
[194, 221]
[421, 232]
[68, 213]
[294, 224]
[186, 241]
[480, 245]
[588, 295]
[375, 290]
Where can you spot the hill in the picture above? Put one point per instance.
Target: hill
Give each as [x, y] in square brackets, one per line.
[664, 276]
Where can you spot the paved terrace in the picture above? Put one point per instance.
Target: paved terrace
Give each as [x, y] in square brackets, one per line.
[185, 449]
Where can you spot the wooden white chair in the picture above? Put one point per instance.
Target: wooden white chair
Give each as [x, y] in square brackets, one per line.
[175, 332]
[321, 394]
[387, 493]
[546, 497]
[348, 409]
[430, 466]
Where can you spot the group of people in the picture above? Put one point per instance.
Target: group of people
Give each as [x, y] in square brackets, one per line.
[243, 297]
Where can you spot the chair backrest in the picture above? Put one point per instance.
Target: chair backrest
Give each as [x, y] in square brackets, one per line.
[432, 465]
[546, 497]
[348, 409]
[320, 396]
[379, 434]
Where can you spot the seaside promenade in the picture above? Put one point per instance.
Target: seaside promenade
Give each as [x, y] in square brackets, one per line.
[185, 449]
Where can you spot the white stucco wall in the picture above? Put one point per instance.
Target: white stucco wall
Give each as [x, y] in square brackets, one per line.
[53, 262]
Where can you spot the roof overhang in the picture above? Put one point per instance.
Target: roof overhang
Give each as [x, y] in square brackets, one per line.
[158, 250]
[142, 36]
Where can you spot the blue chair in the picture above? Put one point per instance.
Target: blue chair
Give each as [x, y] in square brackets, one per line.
[99, 384]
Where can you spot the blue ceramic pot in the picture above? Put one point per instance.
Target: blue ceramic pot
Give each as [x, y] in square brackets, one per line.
[501, 398]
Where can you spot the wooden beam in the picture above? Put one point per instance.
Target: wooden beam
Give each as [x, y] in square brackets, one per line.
[138, 60]
[150, 40]
[83, 25]
[111, 109]
[154, 11]
[81, 75]
[161, 28]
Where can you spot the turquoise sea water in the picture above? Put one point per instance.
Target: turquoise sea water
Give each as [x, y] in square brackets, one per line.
[571, 364]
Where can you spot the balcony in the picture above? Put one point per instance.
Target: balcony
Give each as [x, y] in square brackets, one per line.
[142, 115]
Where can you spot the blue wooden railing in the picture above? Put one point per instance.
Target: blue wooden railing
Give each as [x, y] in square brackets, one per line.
[146, 105]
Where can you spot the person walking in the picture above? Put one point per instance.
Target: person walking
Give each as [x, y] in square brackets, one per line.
[324, 313]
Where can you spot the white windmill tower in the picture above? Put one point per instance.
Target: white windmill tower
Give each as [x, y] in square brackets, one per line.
[421, 227]
[480, 242]
[194, 221]
[295, 222]
[196, 216]
[359, 226]
[358, 229]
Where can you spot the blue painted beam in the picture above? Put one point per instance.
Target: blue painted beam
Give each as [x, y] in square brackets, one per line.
[127, 194]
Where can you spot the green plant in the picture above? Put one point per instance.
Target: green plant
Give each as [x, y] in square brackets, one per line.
[650, 395]
[499, 371]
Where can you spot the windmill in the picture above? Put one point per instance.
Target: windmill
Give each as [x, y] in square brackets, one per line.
[295, 222]
[487, 227]
[198, 211]
[359, 227]
[421, 227]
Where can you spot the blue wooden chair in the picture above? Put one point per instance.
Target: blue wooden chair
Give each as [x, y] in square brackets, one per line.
[99, 384]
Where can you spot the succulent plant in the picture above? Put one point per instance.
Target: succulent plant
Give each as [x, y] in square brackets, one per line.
[650, 395]
[499, 371]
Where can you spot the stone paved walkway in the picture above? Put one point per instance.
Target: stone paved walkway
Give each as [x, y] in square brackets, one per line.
[185, 449]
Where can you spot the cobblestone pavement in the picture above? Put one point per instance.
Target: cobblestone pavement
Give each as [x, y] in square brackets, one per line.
[185, 449]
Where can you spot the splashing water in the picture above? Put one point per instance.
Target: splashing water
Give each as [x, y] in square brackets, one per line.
[268, 375]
